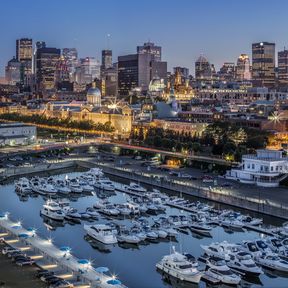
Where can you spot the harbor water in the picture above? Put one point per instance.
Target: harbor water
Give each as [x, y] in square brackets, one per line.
[133, 264]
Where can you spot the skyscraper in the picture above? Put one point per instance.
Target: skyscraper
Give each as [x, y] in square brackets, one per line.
[128, 73]
[202, 69]
[106, 59]
[263, 64]
[24, 50]
[71, 57]
[12, 71]
[283, 68]
[24, 54]
[137, 70]
[243, 68]
[227, 71]
[46, 66]
[151, 49]
[87, 70]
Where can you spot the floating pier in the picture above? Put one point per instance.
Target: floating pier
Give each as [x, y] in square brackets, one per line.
[48, 256]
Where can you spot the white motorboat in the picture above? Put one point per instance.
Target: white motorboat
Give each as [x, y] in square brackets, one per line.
[243, 262]
[110, 210]
[75, 186]
[132, 187]
[105, 184]
[161, 233]
[179, 267]
[220, 250]
[251, 247]
[102, 233]
[232, 223]
[171, 232]
[272, 261]
[64, 204]
[200, 228]
[224, 276]
[87, 188]
[100, 204]
[248, 220]
[52, 210]
[133, 207]
[139, 233]
[23, 186]
[126, 237]
[262, 246]
[47, 189]
[90, 211]
[61, 187]
[123, 209]
[151, 235]
[277, 246]
[73, 214]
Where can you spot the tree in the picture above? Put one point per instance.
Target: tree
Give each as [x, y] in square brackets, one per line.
[157, 141]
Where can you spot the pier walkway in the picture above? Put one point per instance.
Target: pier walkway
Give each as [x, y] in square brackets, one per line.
[83, 270]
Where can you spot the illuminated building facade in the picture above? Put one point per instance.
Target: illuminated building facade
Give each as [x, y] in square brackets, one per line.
[202, 69]
[106, 59]
[151, 49]
[47, 60]
[263, 64]
[87, 71]
[182, 90]
[71, 57]
[12, 71]
[243, 68]
[227, 72]
[137, 70]
[283, 69]
[24, 54]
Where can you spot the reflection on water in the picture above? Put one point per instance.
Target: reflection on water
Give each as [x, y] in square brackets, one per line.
[135, 265]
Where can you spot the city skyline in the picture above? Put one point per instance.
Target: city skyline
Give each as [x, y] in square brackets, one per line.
[89, 33]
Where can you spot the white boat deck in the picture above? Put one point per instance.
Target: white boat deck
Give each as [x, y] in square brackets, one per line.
[85, 271]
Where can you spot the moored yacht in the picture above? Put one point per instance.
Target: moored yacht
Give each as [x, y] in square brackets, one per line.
[52, 210]
[178, 266]
[47, 189]
[126, 237]
[61, 186]
[101, 232]
[23, 186]
[272, 261]
[216, 250]
[105, 184]
[220, 271]
[74, 186]
[243, 262]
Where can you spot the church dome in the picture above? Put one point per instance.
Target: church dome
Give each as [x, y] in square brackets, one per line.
[94, 96]
[202, 59]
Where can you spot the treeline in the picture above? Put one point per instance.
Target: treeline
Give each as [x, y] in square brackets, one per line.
[220, 138]
[58, 122]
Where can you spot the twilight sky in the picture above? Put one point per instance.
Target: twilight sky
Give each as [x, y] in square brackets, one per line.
[219, 29]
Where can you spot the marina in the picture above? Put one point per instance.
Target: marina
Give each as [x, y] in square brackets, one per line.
[144, 225]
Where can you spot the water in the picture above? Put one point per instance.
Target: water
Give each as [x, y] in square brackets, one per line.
[135, 266]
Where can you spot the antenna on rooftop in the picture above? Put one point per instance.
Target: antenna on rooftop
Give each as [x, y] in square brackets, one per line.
[108, 40]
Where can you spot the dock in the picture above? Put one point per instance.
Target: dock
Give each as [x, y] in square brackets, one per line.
[48, 256]
[259, 230]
